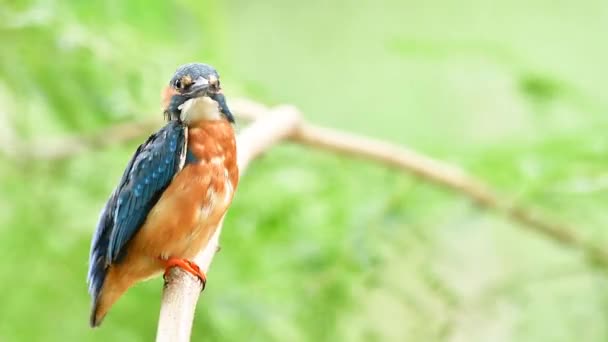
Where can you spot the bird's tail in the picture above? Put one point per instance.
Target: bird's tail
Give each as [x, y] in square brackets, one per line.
[113, 288]
[96, 317]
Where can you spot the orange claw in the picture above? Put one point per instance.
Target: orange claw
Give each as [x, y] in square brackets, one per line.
[186, 265]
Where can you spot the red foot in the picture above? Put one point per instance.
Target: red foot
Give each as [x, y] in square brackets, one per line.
[186, 265]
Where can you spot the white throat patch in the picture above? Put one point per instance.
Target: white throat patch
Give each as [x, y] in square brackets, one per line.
[200, 108]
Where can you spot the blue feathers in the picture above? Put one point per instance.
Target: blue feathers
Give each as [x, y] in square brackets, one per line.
[147, 175]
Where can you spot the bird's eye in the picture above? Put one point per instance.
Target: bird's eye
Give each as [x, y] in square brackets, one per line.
[184, 82]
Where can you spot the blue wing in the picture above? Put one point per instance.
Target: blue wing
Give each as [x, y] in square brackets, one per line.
[148, 174]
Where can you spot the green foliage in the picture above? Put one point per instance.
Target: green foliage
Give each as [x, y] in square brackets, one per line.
[319, 247]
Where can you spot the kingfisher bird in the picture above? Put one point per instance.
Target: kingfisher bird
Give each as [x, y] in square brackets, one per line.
[173, 194]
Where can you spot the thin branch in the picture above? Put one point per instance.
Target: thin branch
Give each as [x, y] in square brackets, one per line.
[182, 290]
[64, 148]
[440, 173]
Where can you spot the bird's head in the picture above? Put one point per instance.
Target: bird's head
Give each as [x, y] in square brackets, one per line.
[193, 94]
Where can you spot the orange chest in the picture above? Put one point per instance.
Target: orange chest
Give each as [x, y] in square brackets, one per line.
[199, 195]
[211, 169]
[212, 149]
[202, 191]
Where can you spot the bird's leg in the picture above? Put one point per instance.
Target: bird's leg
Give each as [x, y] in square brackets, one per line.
[186, 265]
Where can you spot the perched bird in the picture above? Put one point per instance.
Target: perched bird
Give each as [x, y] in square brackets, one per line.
[172, 195]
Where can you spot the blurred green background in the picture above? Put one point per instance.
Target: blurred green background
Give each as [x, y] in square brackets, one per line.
[316, 246]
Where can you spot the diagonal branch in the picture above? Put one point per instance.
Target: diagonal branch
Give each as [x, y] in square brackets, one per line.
[437, 172]
[64, 148]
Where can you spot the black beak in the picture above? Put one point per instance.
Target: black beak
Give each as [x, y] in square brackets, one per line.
[198, 88]
[202, 87]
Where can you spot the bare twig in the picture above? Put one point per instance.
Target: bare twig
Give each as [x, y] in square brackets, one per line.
[447, 176]
[182, 290]
[59, 149]
[440, 173]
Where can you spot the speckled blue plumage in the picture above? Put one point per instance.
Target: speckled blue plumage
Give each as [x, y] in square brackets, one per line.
[147, 175]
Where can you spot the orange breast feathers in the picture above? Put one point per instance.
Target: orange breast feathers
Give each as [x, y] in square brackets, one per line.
[191, 208]
[215, 171]
[213, 143]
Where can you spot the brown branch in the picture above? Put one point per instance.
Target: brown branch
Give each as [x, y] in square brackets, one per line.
[446, 176]
[182, 290]
[59, 149]
[440, 173]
